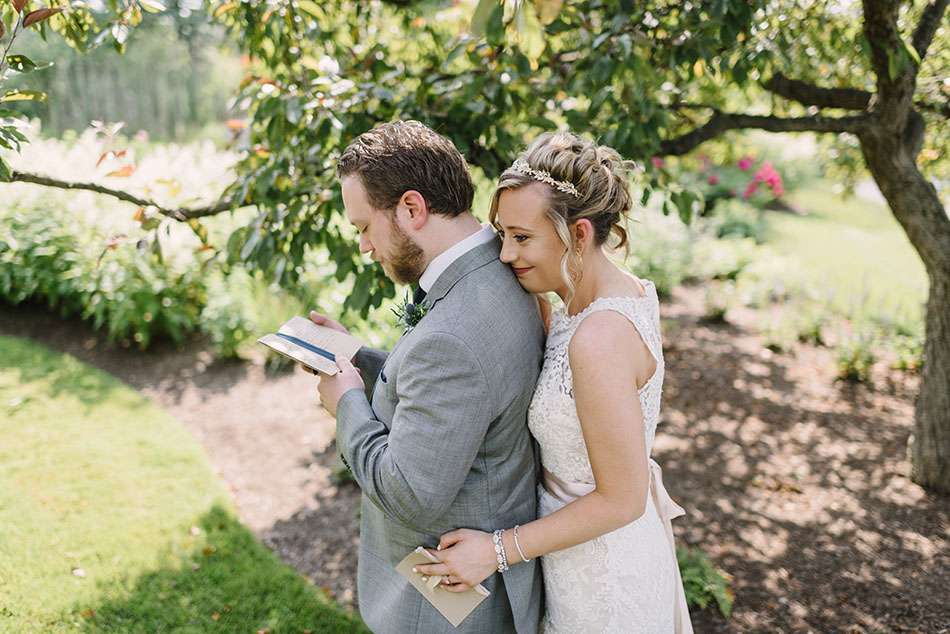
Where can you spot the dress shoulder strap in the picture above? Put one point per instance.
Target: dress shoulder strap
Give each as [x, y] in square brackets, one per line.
[643, 312]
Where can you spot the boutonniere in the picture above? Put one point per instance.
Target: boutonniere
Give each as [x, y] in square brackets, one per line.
[409, 314]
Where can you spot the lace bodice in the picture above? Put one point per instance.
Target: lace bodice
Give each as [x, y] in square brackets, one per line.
[552, 416]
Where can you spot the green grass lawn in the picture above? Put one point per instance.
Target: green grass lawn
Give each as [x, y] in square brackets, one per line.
[112, 521]
[853, 254]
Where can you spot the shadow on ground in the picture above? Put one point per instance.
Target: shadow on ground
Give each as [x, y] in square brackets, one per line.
[797, 486]
[228, 583]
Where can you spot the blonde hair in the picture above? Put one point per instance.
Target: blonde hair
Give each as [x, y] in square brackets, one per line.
[600, 177]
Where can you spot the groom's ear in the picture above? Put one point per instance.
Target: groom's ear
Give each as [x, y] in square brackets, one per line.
[414, 206]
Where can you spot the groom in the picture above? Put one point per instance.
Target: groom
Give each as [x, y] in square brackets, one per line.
[439, 439]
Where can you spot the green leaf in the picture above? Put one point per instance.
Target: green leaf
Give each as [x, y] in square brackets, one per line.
[548, 10]
[911, 52]
[481, 16]
[5, 173]
[151, 223]
[120, 33]
[529, 32]
[495, 29]
[684, 205]
[307, 6]
[152, 6]
[23, 95]
[23, 64]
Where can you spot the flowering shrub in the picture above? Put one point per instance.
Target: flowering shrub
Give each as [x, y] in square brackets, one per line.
[756, 183]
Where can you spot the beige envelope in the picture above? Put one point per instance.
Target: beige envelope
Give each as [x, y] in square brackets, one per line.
[454, 606]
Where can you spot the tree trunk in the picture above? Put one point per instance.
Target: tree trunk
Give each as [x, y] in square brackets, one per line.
[891, 158]
[930, 444]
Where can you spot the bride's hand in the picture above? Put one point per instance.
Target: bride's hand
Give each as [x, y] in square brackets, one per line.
[467, 556]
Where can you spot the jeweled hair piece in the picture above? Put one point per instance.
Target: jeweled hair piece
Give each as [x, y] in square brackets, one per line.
[523, 167]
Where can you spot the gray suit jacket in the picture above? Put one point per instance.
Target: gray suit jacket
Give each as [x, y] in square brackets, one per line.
[444, 444]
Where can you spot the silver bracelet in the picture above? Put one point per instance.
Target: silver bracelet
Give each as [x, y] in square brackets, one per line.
[500, 551]
[518, 546]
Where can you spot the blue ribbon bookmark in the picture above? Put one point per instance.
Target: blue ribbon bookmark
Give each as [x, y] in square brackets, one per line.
[303, 344]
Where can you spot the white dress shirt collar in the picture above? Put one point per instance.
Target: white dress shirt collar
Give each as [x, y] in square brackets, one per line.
[442, 261]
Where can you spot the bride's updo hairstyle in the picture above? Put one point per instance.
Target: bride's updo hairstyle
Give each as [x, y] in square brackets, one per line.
[598, 189]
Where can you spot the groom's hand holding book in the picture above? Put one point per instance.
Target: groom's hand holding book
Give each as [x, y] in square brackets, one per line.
[331, 388]
[321, 345]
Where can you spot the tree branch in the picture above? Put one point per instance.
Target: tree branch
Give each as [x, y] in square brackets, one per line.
[894, 93]
[928, 25]
[177, 214]
[722, 122]
[811, 95]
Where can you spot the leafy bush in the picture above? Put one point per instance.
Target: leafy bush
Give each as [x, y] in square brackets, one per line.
[811, 324]
[703, 582]
[718, 259]
[717, 300]
[855, 357]
[735, 219]
[661, 250]
[910, 352]
[779, 335]
[133, 294]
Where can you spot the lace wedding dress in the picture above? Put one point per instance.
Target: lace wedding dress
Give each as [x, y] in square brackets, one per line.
[627, 580]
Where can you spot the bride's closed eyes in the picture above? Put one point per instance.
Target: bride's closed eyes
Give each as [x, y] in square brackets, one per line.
[518, 237]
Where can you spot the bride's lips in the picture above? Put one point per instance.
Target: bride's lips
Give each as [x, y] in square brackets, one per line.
[520, 272]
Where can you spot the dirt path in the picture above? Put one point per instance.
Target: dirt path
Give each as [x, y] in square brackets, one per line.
[794, 484]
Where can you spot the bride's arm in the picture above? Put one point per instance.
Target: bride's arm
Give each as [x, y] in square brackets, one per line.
[608, 360]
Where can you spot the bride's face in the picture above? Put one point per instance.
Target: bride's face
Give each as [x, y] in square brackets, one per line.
[530, 244]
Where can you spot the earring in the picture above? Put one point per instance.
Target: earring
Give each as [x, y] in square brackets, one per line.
[577, 274]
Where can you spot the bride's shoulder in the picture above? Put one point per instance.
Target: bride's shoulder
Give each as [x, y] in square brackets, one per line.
[602, 332]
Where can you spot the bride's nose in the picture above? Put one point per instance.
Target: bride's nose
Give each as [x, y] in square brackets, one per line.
[508, 254]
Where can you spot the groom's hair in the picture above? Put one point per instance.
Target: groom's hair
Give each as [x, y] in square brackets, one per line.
[399, 156]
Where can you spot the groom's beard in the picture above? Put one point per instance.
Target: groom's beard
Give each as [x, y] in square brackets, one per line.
[405, 263]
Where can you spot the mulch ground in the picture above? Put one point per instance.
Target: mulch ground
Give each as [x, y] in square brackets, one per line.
[794, 483]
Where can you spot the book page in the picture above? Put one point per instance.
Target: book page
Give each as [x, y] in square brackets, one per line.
[327, 341]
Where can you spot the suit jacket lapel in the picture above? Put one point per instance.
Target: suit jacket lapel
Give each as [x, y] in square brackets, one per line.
[465, 264]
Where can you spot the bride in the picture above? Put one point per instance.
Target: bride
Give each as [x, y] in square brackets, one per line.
[604, 531]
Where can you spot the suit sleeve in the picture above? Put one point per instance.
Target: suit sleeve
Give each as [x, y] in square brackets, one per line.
[415, 471]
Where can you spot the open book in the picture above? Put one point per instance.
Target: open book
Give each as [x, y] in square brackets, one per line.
[316, 347]
[454, 606]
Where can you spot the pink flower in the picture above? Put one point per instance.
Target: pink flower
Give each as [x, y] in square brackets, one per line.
[750, 189]
[713, 179]
[767, 174]
[745, 163]
[657, 162]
